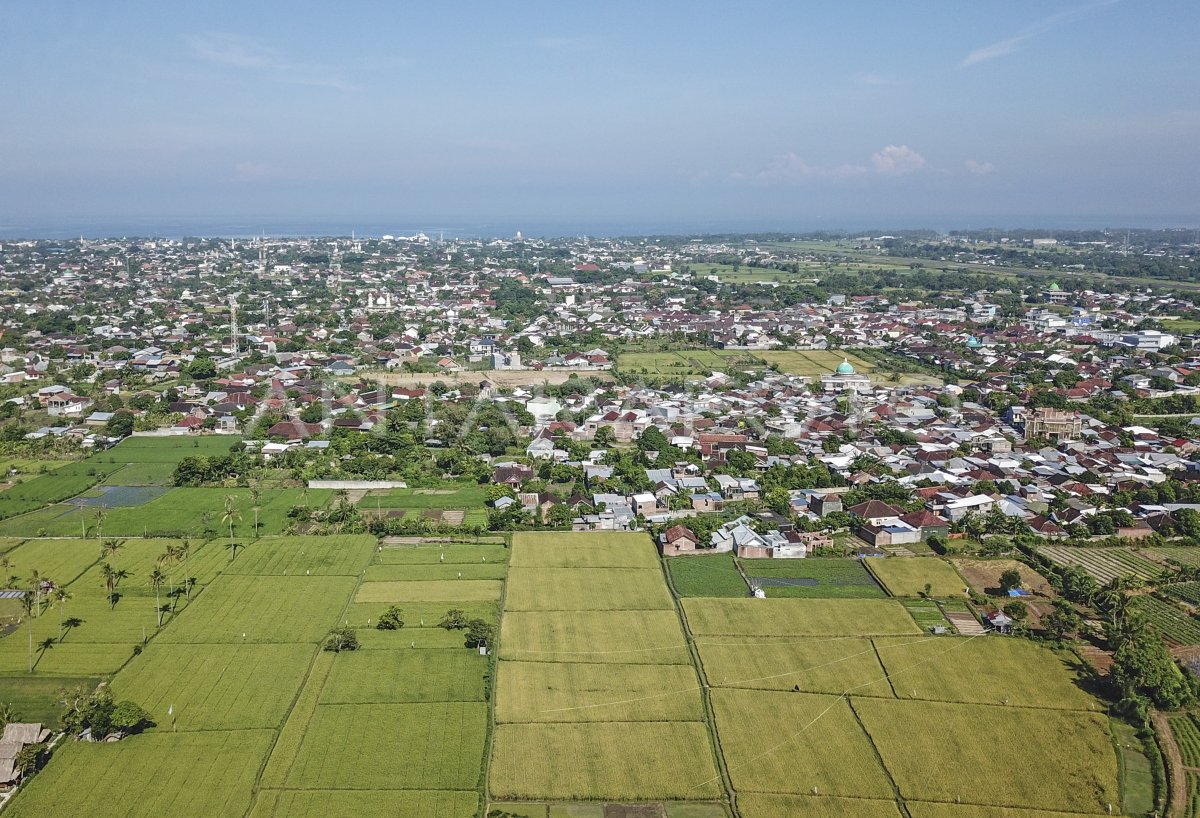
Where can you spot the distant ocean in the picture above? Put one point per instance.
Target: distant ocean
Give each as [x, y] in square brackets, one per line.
[91, 227]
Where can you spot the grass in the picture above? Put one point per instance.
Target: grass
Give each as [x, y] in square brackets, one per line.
[215, 687]
[366, 803]
[988, 670]
[166, 449]
[770, 747]
[602, 549]
[263, 609]
[796, 617]
[908, 576]
[714, 575]
[621, 637]
[574, 692]
[813, 578]
[205, 773]
[357, 746]
[402, 675]
[1026, 753]
[592, 761]
[445, 591]
[812, 363]
[449, 570]
[575, 589]
[437, 554]
[36, 698]
[1137, 775]
[815, 665]
[61, 560]
[449, 496]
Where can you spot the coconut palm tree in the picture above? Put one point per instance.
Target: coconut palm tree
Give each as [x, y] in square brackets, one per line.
[108, 575]
[184, 550]
[156, 580]
[27, 606]
[109, 548]
[256, 505]
[61, 595]
[230, 516]
[100, 514]
[35, 581]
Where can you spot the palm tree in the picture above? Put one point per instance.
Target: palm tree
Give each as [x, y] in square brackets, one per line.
[61, 595]
[27, 606]
[184, 550]
[230, 516]
[109, 575]
[35, 580]
[156, 579]
[99, 515]
[256, 504]
[109, 548]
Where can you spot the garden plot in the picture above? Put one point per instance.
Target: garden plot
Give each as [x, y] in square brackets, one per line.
[1104, 564]
[710, 575]
[1171, 622]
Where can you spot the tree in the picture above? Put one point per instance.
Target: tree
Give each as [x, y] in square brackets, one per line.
[110, 577]
[201, 369]
[560, 515]
[27, 606]
[157, 578]
[605, 437]
[1010, 579]
[455, 619]
[255, 505]
[120, 424]
[340, 639]
[479, 633]
[1017, 610]
[230, 516]
[99, 515]
[390, 620]
[129, 717]
[109, 549]
[61, 595]
[29, 759]
[35, 583]
[1064, 620]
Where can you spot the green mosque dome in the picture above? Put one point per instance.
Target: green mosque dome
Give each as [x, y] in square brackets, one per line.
[845, 368]
[972, 341]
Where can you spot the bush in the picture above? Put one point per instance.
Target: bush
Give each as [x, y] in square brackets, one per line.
[454, 620]
[479, 633]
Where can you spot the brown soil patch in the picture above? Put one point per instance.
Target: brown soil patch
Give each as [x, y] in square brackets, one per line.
[984, 576]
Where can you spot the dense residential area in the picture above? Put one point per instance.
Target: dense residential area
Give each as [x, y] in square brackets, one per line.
[940, 437]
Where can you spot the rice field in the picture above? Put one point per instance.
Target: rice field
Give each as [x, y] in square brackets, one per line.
[577, 691]
[813, 578]
[797, 617]
[1174, 624]
[586, 589]
[620, 637]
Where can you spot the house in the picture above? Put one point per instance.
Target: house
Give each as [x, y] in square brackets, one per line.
[678, 540]
[17, 736]
[927, 523]
[511, 474]
[737, 488]
[876, 512]
[645, 504]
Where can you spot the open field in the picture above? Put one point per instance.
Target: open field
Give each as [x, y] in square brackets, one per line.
[773, 805]
[402, 675]
[813, 363]
[590, 761]
[453, 496]
[991, 670]
[284, 556]
[768, 750]
[575, 691]
[908, 576]
[215, 687]
[678, 365]
[984, 576]
[366, 803]
[499, 377]
[1036, 773]
[812, 665]
[142, 449]
[61, 484]
[448, 590]
[797, 617]
[585, 589]
[441, 554]
[621, 637]
[601, 549]
[713, 575]
[35, 698]
[202, 774]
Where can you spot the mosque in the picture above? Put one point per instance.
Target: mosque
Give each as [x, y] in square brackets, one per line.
[845, 379]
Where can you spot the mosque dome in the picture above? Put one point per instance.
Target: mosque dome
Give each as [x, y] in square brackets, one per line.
[972, 341]
[845, 368]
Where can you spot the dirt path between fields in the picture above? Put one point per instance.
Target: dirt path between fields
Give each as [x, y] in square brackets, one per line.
[1178, 783]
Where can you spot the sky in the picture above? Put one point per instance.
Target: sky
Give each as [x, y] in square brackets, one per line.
[584, 117]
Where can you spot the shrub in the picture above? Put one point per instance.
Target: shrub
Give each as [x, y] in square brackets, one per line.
[390, 620]
[340, 639]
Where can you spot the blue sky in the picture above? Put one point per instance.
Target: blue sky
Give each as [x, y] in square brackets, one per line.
[696, 115]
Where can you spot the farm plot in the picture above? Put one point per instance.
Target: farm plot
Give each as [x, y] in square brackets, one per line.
[60, 560]
[441, 554]
[773, 805]
[404, 675]
[37, 698]
[447, 571]
[257, 609]
[204, 773]
[714, 575]
[1183, 555]
[449, 590]
[356, 746]
[590, 761]
[989, 670]
[620, 637]
[812, 665]
[942, 760]
[926, 613]
[215, 687]
[1104, 564]
[814, 577]
[139, 449]
[1188, 592]
[1187, 736]
[1171, 622]
[366, 803]
[909, 576]
[793, 759]
[60, 484]
[585, 589]
[797, 617]
[604, 549]
[284, 556]
[572, 691]
[812, 363]
[452, 496]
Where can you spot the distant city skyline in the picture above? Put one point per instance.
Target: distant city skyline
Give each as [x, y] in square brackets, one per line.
[556, 119]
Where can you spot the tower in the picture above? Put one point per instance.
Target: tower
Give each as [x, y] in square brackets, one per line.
[233, 325]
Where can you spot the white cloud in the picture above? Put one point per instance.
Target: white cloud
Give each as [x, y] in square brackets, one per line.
[897, 159]
[1002, 48]
[980, 168]
[789, 167]
[250, 54]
